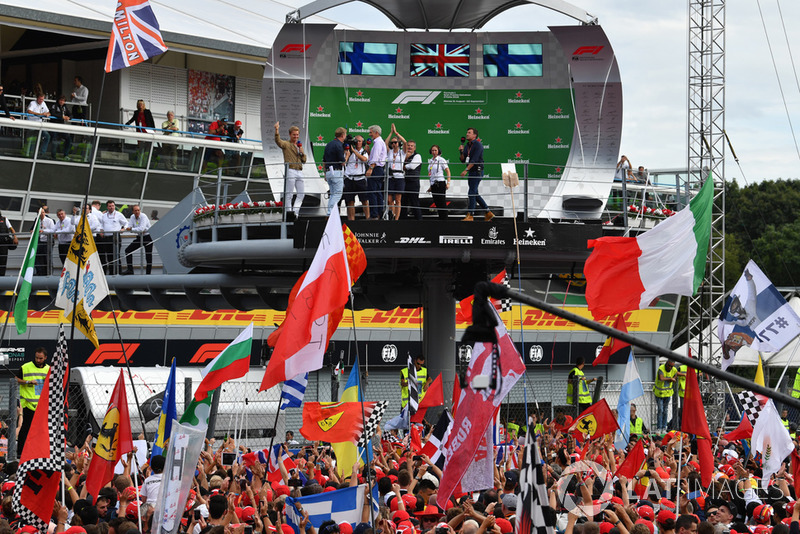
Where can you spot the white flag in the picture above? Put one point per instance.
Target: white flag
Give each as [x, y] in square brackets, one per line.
[91, 281]
[772, 440]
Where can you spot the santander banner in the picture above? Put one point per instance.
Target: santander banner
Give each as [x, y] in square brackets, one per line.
[477, 407]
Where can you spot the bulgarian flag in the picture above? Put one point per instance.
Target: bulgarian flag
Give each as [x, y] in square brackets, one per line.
[231, 363]
[629, 273]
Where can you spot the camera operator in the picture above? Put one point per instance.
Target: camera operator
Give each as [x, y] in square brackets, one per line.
[355, 177]
[334, 159]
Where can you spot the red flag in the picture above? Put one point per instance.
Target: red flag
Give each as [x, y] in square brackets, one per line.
[434, 396]
[476, 408]
[456, 394]
[596, 420]
[795, 470]
[114, 441]
[612, 345]
[743, 431]
[415, 441]
[317, 307]
[694, 422]
[465, 306]
[633, 462]
[334, 422]
[39, 472]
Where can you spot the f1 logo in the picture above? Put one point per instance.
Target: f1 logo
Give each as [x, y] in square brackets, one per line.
[426, 97]
[111, 352]
[207, 351]
[587, 50]
[295, 47]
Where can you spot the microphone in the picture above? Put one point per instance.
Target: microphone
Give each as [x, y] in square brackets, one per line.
[299, 144]
[463, 139]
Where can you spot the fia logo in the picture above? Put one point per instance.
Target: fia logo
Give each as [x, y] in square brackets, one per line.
[389, 353]
[536, 353]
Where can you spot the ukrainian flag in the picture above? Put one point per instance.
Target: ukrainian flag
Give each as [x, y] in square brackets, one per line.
[169, 411]
[348, 453]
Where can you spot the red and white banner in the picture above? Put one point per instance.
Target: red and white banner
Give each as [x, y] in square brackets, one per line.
[476, 408]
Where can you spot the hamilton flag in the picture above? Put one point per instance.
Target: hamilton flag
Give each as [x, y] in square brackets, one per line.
[114, 441]
[39, 472]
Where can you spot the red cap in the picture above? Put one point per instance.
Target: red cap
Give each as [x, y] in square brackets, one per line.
[132, 511]
[286, 529]
[405, 527]
[504, 524]
[646, 523]
[280, 489]
[605, 527]
[190, 500]
[75, 530]
[411, 503]
[666, 503]
[400, 515]
[664, 515]
[238, 123]
[8, 486]
[345, 528]
[393, 478]
[28, 528]
[329, 488]
[762, 514]
[762, 529]
[429, 510]
[129, 493]
[789, 507]
[616, 500]
[248, 512]
[695, 465]
[646, 512]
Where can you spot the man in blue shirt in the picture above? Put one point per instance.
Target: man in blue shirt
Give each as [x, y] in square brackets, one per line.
[472, 155]
[333, 159]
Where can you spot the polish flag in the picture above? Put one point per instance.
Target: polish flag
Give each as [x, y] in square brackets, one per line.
[324, 290]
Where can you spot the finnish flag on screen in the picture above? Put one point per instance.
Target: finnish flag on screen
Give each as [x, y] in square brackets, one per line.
[368, 59]
[502, 60]
[343, 505]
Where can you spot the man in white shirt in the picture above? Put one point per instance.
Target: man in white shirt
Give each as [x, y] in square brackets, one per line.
[139, 225]
[91, 219]
[375, 171]
[112, 223]
[80, 96]
[38, 111]
[64, 231]
[152, 483]
[42, 263]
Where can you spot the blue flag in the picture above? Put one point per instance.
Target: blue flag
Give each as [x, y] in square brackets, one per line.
[501, 60]
[368, 59]
[294, 391]
[631, 388]
[343, 506]
[169, 411]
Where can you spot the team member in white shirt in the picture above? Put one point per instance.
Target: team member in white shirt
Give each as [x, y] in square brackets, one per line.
[37, 111]
[91, 219]
[439, 173]
[43, 251]
[140, 225]
[64, 230]
[112, 223]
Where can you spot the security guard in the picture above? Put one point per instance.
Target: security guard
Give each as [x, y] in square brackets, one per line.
[638, 427]
[785, 418]
[576, 375]
[422, 380]
[513, 430]
[664, 389]
[30, 388]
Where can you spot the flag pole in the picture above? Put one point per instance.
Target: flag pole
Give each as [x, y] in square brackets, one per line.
[363, 414]
[130, 375]
[275, 425]
[135, 470]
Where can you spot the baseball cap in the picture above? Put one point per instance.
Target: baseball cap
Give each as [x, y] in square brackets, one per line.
[28, 529]
[286, 529]
[510, 501]
[400, 515]
[248, 512]
[646, 523]
[645, 512]
[665, 515]
[239, 123]
[605, 527]
[429, 510]
[75, 530]
[504, 524]
[345, 528]
[132, 511]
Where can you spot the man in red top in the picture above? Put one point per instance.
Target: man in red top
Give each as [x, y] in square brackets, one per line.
[216, 131]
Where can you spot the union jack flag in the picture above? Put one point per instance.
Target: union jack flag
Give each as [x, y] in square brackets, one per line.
[135, 35]
[449, 60]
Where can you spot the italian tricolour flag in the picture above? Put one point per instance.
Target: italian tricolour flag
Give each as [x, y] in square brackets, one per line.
[231, 363]
[629, 273]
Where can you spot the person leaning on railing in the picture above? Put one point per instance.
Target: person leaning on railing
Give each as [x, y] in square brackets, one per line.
[171, 126]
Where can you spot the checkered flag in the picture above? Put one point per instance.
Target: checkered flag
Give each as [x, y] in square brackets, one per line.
[534, 515]
[373, 421]
[751, 404]
[505, 303]
[39, 472]
[413, 387]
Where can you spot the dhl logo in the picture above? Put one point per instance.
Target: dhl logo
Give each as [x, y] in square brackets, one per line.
[397, 316]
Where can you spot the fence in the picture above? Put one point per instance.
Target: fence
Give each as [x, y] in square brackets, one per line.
[249, 415]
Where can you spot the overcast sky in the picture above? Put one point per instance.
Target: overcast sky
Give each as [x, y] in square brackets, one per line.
[649, 38]
[650, 41]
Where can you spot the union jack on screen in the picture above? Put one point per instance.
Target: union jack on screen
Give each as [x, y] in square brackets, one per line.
[449, 60]
[135, 35]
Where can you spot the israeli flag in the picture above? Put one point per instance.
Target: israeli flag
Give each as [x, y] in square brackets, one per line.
[294, 391]
[343, 506]
[631, 388]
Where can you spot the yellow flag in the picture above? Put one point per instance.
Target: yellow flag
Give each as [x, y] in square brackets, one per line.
[759, 379]
[89, 280]
[84, 323]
